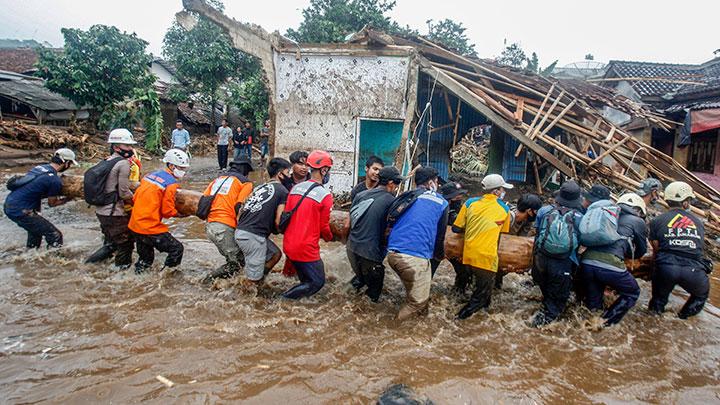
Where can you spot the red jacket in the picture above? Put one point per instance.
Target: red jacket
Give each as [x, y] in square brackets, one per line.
[310, 222]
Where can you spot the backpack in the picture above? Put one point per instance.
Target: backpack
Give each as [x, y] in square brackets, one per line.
[94, 183]
[401, 204]
[17, 181]
[599, 226]
[556, 234]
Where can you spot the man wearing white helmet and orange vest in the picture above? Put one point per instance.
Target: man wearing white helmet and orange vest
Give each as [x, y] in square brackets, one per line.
[604, 265]
[113, 216]
[22, 206]
[155, 200]
[309, 205]
[678, 240]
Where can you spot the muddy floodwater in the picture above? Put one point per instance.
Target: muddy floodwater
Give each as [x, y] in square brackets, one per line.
[76, 333]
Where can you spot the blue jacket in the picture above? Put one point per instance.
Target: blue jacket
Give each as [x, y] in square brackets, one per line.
[27, 198]
[420, 230]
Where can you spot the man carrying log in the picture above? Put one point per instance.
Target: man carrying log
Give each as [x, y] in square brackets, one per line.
[649, 190]
[114, 173]
[678, 240]
[153, 201]
[522, 219]
[366, 245]
[611, 234]
[555, 251]
[417, 236]
[454, 194]
[482, 219]
[309, 205]
[22, 205]
[259, 218]
[228, 193]
[298, 174]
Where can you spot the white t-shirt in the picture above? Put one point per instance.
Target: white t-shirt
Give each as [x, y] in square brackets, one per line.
[224, 135]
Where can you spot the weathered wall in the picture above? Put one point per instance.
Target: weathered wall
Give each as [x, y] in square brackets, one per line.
[319, 98]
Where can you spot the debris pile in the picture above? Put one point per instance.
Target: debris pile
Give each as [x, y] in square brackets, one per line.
[470, 155]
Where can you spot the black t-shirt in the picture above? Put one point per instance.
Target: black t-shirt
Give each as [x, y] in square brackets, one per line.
[679, 233]
[289, 182]
[258, 214]
[359, 188]
[368, 222]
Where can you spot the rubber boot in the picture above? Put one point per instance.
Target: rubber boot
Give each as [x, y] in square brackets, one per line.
[104, 253]
[617, 310]
[357, 283]
[692, 307]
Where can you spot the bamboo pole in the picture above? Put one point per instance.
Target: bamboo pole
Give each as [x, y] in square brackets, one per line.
[535, 118]
[608, 151]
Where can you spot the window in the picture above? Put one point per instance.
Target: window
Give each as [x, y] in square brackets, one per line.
[703, 151]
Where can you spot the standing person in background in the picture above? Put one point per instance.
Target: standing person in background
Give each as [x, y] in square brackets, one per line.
[417, 236]
[22, 205]
[237, 143]
[264, 142]
[230, 193]
[678, 240]
[153, 201]
[372, 168]
[224, 133]
[258, 219]
[482, 219]
[310, 222]
[246, 139]
[180, 138]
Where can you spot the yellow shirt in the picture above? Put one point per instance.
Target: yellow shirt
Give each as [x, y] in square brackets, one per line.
[483, 219]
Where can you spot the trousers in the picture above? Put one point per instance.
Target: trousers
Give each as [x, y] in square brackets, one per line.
[595, 279]
[38, 227]
[164, 242]
[222, 152]
[690, 276]
[118, 238]
[312, 279]
[415, 274]
[554, 276]
[480, 298]
[369, 273]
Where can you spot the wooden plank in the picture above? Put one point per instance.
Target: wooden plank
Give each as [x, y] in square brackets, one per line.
[447, 104]
[477, 103]
[558, 118]
[519, 109]
[442, 127]
[610, 134]
[457, 122]
[535, 118]
[588, 143]
[608, 151]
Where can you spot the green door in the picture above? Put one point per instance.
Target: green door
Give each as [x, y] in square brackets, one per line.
[380, 138]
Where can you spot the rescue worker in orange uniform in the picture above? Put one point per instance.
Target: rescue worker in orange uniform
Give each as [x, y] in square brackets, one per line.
[153, 201]
[230, 193]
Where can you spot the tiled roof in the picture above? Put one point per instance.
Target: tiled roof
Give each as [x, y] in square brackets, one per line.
[665, 73]
[19, 60]
[710, 79]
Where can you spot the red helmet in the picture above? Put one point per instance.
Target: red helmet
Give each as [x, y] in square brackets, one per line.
[319, 159]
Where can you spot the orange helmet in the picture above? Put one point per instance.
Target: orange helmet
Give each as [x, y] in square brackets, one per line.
[319, 159]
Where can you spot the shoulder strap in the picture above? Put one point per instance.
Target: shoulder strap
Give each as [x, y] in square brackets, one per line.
[219, 187]
[312, 186]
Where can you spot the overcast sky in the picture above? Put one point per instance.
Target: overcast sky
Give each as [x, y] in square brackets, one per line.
[657, 31]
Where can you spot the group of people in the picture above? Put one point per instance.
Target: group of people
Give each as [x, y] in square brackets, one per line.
[582, 238]
[242, 142]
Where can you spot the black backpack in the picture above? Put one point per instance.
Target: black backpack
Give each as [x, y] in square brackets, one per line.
[15, 182]
[401, 204]
[94, 183]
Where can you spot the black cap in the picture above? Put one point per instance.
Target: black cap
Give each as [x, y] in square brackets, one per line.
[390, 173]
[242, 161]
[425, 174]
[451, 190]
[597, 192]
[569, 195]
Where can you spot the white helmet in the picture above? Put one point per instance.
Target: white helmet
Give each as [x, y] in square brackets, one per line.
[678, 191]
[66, 155]
[633, 200]
[177, 158]
[121, 136]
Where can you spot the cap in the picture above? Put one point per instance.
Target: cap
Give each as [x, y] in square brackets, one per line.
[390, 173]
[425, 174]
[66, 155]
[451, 190]
[569, 195]
[493, 181]
[242, 161]
[597, 192]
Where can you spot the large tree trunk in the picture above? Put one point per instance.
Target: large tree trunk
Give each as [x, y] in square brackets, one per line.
[515, 252]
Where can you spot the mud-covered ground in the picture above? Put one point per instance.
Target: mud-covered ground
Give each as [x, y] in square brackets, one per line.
[76, 333]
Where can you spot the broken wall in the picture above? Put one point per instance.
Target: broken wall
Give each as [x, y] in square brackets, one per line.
[320, 97]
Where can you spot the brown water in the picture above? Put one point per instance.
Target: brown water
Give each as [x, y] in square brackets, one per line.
[75, 333]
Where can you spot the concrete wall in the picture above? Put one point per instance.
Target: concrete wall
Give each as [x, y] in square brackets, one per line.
[162, 74]
[320, 97]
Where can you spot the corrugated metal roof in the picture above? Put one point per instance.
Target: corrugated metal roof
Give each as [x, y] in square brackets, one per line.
[34, 93]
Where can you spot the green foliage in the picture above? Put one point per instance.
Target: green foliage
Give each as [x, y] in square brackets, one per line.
[250, 97]
[333, 20]
[98, 67]
[589, 57]
[514, 56]
[533, 64]
[204, 57]
[451, 34]
[143, 107]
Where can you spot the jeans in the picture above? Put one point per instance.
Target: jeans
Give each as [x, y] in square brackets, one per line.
[247, 151]
[222, 151]
[264, 149]
[554, 276]
[237, 151]
[595, 279]
[164, 242]
[118, 240]
[38, 227]
[480, 298]
[312, 279]
[690, 276]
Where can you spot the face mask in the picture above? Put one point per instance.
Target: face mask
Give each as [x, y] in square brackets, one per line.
[502, 196]
[126, 153]
[326, 177]
[433, 186]
[178, 173]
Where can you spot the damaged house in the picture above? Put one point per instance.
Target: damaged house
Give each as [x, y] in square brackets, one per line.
[413, 102]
